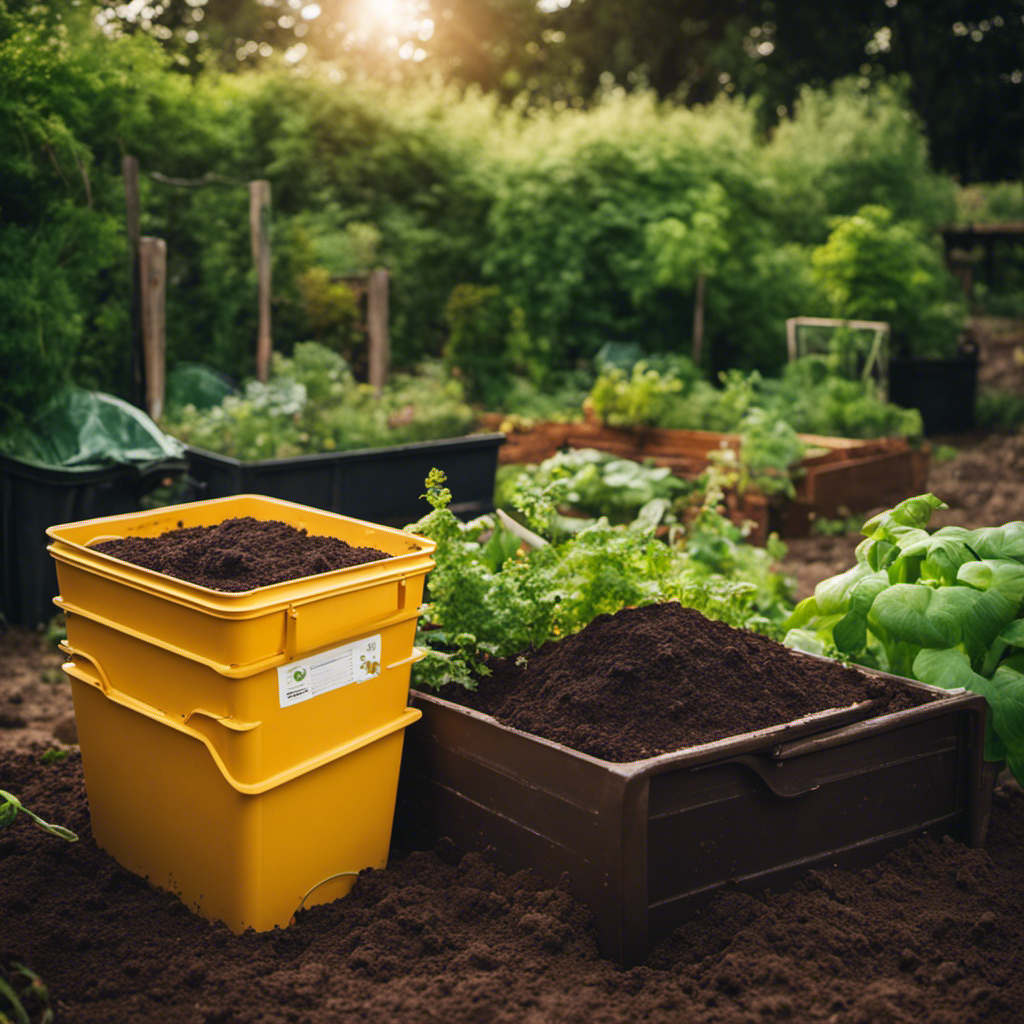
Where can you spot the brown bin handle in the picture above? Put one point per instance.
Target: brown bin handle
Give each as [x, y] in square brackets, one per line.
[787, 783]
[778, 767]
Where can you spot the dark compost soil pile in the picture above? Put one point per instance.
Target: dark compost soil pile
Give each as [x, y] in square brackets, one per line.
[932, 933]
[239, 554]
[662, 677]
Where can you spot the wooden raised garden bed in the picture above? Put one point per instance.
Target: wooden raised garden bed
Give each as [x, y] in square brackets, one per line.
[655, 818]
[838, 477]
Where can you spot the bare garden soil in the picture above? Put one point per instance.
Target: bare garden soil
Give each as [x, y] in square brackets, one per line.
[934, 932]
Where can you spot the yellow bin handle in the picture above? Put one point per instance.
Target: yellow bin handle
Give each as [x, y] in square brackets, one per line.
[97, 678]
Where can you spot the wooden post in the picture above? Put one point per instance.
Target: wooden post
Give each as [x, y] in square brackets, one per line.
[259, 228]
[153, 281]
[698, 319]
[377, 328]
[136, 362]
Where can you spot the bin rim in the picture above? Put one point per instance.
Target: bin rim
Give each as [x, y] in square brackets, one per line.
[813, 726]
[93, 472]
[478, 440]
[67, 546]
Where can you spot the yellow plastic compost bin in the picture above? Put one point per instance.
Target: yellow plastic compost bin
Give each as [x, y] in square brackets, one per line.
[241, 749]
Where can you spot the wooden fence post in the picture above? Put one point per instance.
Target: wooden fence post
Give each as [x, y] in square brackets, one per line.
[153, 282]
[259, 227]
[136, 361]
[377, 328]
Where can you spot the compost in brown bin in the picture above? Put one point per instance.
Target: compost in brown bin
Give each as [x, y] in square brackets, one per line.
[646, 794]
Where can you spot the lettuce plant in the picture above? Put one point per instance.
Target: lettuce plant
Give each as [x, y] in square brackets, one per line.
[944, 608]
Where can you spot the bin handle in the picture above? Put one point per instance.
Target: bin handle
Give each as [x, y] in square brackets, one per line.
[235, 724]
[785, 788]
[101, 683]
[313, 888]
[291, 613]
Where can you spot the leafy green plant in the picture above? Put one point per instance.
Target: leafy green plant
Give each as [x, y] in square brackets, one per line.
[631, 399]
[312, 403]
[599, 484]
[944, 608]
[10, 805]
[805, 395]
[491, 595]
[769, 448]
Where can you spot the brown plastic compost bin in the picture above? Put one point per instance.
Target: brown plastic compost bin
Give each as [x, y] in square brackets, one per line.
[644, 844]
[241, 749]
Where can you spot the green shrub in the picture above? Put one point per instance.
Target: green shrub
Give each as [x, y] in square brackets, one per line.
[874, 268]
[849, 146]
[990, 202]
[477, 349]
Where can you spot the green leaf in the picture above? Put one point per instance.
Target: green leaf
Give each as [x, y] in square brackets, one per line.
[1006, 578]
[1008, 708]
[803, 613]
[951, 670]
[1013, 634]
[851, 632]
[1006, 541]
[805, 640]
[11, 801]
[650, 515]
[14, 1004]
[913, 512]
[834, 594]
[917, 615]
[939, 555]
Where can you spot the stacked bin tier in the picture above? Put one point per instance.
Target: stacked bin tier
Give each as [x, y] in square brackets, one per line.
[206, 771]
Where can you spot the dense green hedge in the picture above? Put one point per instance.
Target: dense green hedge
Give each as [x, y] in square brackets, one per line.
[584, 226]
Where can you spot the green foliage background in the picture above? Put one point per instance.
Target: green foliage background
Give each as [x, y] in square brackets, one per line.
[586, 224]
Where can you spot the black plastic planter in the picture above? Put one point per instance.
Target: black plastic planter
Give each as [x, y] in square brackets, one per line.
[943, 390]
[382, 485]
[643, 844]
[34, 497]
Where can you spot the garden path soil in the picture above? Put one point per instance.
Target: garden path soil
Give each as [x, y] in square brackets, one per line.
[933, 933]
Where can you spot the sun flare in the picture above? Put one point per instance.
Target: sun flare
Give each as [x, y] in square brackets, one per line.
[394, 18]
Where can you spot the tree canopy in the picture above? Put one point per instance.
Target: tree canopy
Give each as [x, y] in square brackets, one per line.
[962, 58]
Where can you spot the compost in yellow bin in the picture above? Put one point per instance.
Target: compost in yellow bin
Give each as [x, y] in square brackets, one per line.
[242, 749]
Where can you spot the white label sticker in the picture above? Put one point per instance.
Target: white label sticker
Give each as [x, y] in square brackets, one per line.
[329, 670]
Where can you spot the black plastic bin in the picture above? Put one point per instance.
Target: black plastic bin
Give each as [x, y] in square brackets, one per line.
[644, 844]
[382, 485]
[34, 497]
[943, 390]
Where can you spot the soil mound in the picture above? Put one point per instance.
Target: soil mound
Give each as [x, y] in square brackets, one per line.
[239, 554]
[662, 677]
